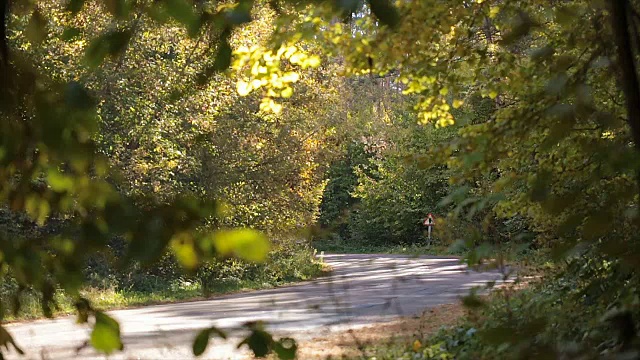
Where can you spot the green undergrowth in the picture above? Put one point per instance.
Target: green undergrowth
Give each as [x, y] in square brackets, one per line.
[111, 299]
[518, 254]
[139, 287]
[406, 249]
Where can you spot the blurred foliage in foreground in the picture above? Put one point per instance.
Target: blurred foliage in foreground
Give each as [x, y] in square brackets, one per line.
[108, 287]
[189, 125]
[130, 156]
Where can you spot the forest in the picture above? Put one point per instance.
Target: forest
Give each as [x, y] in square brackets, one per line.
[161, 150]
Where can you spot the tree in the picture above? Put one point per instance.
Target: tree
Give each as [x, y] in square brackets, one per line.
[109, 146]
[560, 149]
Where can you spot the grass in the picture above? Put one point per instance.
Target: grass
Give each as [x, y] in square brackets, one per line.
[112, 298]
[400, 249]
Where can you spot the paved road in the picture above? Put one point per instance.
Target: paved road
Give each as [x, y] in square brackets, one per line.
[363, 289]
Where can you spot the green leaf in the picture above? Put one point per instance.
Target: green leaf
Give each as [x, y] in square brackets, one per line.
[70, 33]
[200, 343]
[385, 12]
[559, 130]
[347, 7]
[565, 16]
[6, 339]
[77, 97]
[473, 301]
[59, 182]
[540, 189]
[223, 55]
[112, 43]
[522, 25]
[286, 348]
[601, 62]
[221, 62]
[556, 85]
[561, 249]
[542, 53]
[183, 12]
[455, 196]
[105, 336]
[202, 339]
[596, 225]
[74, 6]
[240, 14]
[182, 246]
[36, 30]
[570, 224]
[259, 341]
[37, 208]
[83, 307]
[499, 335]
[246, 244]
[118, 8]
[95, 53]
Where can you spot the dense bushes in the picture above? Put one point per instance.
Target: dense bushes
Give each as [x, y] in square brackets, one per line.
[285, 263]
[380, 191]
[108, 286]
[337, 198]
[382, 188]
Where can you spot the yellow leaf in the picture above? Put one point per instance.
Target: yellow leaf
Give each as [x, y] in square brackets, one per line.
[246, 244]
[289, 51]
[182, 245]
[255, 69]
[493, 94]
[257, 83]
[265, 104]
[269, 56]
[242, 50]
[493, 12]
[243, 88]
[290, 77]
[296, 58]
[417, 345]
[287, 92]
[457, 103]
[37, 208]
[444, 122]
[314, 61]
[444, 91]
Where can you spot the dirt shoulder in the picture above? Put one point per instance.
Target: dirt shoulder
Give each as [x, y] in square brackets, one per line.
[359, 342]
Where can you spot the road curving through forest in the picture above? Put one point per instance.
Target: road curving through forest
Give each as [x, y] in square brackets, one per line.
[362, 290]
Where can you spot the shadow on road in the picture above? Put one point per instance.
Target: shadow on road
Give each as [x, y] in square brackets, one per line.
[362, 289]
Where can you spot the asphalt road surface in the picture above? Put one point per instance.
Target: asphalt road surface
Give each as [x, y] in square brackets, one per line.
[362, 289]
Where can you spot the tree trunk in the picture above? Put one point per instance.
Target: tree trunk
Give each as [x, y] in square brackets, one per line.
[627, 68]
